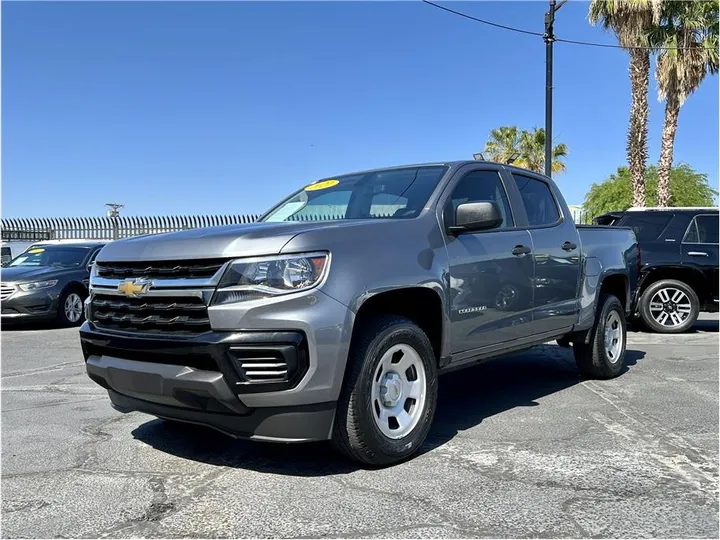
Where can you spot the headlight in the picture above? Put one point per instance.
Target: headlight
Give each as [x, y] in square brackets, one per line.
[252, 279]
[35, 285]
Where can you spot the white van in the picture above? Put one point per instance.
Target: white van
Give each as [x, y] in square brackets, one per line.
[13, 248]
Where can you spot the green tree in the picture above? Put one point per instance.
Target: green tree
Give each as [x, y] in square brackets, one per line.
[688, 39]
[632, 21]
[532, 152]
[687, 188]
[503, 145]
[526, 149]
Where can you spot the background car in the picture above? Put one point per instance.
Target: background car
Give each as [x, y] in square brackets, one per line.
[679, 270]
[48, 281]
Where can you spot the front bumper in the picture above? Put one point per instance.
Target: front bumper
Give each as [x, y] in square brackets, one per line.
[41, 304]
[203, 397]
[212, 379]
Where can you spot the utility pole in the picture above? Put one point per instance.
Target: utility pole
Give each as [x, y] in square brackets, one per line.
[114, 214]
[549, 38]
[114, 209]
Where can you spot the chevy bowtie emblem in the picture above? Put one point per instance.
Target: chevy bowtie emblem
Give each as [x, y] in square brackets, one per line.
[134, 287]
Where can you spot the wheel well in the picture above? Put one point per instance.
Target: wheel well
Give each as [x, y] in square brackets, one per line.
[686, 275]
[76, 286]
[617, 286]
[419, 304]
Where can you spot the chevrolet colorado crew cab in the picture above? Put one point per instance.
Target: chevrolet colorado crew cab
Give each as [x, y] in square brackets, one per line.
[332, 317]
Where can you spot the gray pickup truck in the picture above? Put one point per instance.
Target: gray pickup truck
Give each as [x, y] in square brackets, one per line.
[332, 317]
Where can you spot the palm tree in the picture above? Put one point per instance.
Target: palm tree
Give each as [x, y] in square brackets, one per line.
[503, 144]
[532, 152]
[632, 20]
[688, 39]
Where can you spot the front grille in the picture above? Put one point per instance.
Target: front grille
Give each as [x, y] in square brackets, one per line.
[6, 291]
[160, 269]
[150, 315]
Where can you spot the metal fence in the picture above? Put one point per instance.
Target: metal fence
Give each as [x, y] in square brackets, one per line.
[109, 228]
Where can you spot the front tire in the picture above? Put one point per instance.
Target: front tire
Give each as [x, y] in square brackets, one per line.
[669, 306]
[70, 308]
[389, 394]
[604, 356]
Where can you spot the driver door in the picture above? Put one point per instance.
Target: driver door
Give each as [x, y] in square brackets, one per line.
[491, 271]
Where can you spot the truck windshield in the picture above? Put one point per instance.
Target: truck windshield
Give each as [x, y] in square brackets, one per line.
[390, 193]
[51, 256]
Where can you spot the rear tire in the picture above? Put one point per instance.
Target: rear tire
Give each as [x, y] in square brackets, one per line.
[604, 356]
[669, 306]
[391, 374]
[70, 301]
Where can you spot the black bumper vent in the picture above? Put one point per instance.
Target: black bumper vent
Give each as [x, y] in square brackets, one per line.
[276, 366]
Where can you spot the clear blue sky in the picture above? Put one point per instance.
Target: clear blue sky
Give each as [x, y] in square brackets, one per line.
[192, 108]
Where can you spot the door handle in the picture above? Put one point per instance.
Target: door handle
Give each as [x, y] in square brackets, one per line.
[569, 246]
[697, 254]
[520, 250]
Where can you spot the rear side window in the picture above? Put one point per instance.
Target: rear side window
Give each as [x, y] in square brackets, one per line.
[647, 226]
[538, 201]
[702, 230]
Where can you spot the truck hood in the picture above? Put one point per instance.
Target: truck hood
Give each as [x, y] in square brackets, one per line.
[252, 239]
[25, 274]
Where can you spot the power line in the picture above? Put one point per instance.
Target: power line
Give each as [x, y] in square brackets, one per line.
[570, 41]
[459, 13]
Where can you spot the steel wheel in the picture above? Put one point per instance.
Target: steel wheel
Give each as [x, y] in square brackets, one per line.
[398, 391]
[670, 307]
[73, 307]
[613, 338]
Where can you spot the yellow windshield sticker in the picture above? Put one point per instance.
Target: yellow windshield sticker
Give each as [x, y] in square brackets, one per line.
[36, 250]
[322, 185]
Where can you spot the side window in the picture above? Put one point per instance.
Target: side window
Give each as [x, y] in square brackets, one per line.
[648, 226]
[480, 186]
[702, 230]
[538, 201]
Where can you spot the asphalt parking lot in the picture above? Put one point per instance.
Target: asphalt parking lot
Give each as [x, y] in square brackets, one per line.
[520, 447]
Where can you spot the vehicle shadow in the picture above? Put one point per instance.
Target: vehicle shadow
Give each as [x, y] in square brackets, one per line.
[706, 325]
[466, 398]
[701, 326]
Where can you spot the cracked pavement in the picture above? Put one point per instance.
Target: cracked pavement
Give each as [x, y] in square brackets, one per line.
[520, 447]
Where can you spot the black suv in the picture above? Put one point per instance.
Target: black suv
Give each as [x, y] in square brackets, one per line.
[679, 264]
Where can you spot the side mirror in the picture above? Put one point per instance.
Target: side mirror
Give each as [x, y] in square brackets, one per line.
[90, 265]
[477, 216]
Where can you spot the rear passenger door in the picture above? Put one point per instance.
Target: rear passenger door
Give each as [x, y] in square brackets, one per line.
[700, 250]
[491, 294]
[556, 253]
